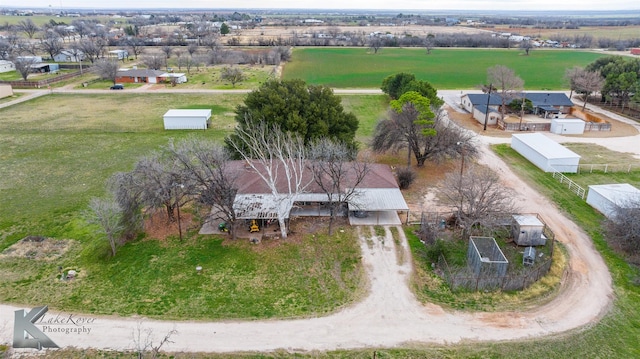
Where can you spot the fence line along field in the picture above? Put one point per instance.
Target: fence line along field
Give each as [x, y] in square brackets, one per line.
[443, 68]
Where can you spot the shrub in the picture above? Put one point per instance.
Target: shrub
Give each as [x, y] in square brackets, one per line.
[406, 176]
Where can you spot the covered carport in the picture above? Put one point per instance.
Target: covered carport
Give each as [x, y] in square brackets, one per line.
[376, 206]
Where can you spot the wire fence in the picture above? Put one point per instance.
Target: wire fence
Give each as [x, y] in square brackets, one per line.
[462, 278]
[517, 277]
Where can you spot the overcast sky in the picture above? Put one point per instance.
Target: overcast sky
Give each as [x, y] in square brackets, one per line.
[542, 5]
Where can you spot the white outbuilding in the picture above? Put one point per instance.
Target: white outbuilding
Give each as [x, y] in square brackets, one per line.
[187, 119]
[607, 198]
[567, 126]
[7, 66]
[545, 153]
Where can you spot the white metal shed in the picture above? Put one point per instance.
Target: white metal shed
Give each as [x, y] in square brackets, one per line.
[186, 119]
[545, 153]
[606, 198]
[567, 126]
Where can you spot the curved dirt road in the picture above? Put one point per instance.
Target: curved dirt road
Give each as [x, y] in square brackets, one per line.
[390, 315]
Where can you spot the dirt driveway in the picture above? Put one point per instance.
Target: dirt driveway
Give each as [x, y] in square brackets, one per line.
[390, 315]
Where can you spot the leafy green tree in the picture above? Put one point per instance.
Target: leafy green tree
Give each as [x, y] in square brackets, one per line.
[312, 112]
[393, 85]
[409, 124]
[224, 29]
[400, 83]
[517, 106]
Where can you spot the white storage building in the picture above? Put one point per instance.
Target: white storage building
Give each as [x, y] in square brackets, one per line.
[186, 119]
[545, 153]
[606, 198]
[567, 126]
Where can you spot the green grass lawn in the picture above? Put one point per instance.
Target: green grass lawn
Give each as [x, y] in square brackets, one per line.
[58, 151]
[443, 68]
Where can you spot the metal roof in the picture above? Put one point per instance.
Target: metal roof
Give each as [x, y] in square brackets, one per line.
[621, 194]
[188, 113]
[538, 99]
[544, 145]
[527, 220]
[378, 199]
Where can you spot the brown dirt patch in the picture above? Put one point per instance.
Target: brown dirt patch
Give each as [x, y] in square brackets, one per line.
[37, 248]
[157, 226]
[466, 120]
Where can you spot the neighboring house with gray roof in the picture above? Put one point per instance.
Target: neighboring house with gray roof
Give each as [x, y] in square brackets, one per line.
[545, 104]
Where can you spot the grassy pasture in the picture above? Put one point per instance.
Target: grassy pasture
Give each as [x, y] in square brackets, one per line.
[58, 150]
[444, 68]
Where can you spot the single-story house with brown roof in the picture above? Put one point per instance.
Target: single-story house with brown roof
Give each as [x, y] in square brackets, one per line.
[140, 76]
[377, 196]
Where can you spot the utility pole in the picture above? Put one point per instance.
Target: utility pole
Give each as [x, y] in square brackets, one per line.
[486, 115]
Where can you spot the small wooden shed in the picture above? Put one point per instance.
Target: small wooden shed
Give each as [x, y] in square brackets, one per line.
[526, 230]
[187, 119]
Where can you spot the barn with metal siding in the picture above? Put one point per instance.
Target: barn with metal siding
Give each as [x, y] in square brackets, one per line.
[606, 198]
[545, 153]
[567, 126]
[186, 119]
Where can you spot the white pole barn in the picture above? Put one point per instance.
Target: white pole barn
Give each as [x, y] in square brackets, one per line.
[186, 119]
[545, 153]
[607, 198]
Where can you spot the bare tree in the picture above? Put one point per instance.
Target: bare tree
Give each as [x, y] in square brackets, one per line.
[167, 50]
[509, 84]
[76, 51]
[623, 228]
[23, 65]
[107, 69]
[527, 46]
[337, 173]
[440, 144]
[161, 183]
[192, 49]
[136, 46]
[28, 27]
[429, 43]
[178, 54]
[5, 49]
[215, 181]
[108, 215]
[375, 44]
[92, 48]
[272, 154]
[587, 83]
[187, 62]
[478, 197]
[232, 74]
[571, 76]
[51, 44]
[81, 28]
[153, 62]
[127, 193]
[143, 339]
[62, 31]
